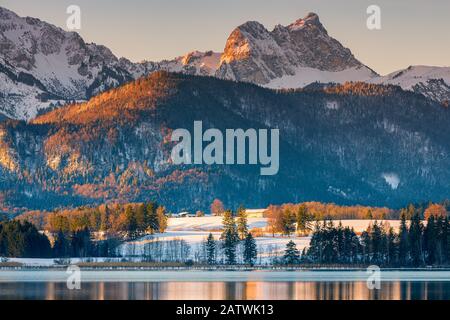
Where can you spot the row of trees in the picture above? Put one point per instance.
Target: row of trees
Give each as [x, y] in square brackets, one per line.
[19, 239]
[22, 240]
[415, 244]
[290, 219]
[320, 211]
[129, 220]
[234, 233]
[80, 244]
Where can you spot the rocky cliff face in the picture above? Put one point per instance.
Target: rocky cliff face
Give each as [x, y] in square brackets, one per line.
[347, 144]
[256, 55]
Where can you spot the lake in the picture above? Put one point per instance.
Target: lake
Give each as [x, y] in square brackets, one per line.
[225, 285]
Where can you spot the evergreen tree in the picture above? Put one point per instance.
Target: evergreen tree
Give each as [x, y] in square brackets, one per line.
[430, 239]
[131, 224]
[415, 241]
[140, 217]
[315, 250]
[392, 247]
[152, 218]
[61, 246]
[291, 254]
[250, 250]
[366, 246]
[105, 224]
[81, 244]
[242, 227]
[288, 220]
[410, 211]
[230, 237]
[445, 241]
[23, 240]
[210, 249]
[376, 240]
[329, 233]
[303, 219]
[403, 246]
[162, 219]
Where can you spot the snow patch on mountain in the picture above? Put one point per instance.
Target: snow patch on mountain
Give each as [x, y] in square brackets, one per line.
[288, 56]
[391, 179]
[430, 81]
[304, 76]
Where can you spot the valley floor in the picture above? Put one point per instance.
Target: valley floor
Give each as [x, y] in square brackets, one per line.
[193, 231]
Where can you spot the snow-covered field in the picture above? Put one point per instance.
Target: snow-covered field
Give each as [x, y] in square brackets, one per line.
[268, 247]
[194, 230]
[215, 223]
[208, 223]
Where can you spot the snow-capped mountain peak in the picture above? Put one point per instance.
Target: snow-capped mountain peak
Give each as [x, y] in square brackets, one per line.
[254, 54]
[42, 65]
[430, 81]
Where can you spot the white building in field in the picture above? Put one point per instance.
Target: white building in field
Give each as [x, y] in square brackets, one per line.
[183, 214]
[255, 213]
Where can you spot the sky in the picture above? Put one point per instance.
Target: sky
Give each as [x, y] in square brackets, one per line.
[413, 32]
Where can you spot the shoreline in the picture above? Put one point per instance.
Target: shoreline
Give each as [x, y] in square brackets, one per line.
[211, 276]
[218, 268]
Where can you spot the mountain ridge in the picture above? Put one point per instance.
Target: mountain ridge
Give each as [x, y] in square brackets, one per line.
[355, 143]
[43, 67]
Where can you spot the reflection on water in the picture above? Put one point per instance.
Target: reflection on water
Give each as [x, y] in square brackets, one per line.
[404, 290]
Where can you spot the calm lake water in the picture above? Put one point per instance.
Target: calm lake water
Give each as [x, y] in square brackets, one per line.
[223, 285]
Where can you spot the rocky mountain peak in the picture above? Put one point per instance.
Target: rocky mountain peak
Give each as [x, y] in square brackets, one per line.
[254, 54]
[311, 20]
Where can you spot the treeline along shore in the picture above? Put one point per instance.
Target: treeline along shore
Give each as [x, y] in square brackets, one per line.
[91, 237]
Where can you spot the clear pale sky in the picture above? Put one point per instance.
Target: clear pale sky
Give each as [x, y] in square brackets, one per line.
[413, 32]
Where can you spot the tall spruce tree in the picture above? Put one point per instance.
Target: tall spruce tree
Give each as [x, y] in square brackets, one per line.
[210, 249]
[250, 250]
[415, 241]
[430, 239]
[288, 222]
[229, 237]
[242, 226]
[161, 218]
[376, 239]
[152, 217]
[131, 226]
[61, 246]
[140, 218]
[403, 241]
[303, 220]
[392, 247]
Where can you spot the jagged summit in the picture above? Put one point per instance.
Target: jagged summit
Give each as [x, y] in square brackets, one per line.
[254, 54]
[311, 19]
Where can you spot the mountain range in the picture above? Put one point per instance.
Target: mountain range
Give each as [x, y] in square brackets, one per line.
[80, 126]
[348, 144]
[43, 67]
